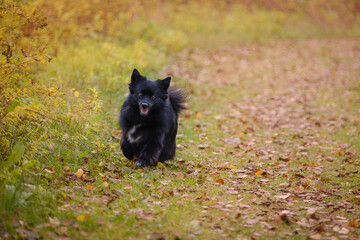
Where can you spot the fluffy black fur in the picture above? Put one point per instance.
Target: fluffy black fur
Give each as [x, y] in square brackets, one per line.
[149, 120]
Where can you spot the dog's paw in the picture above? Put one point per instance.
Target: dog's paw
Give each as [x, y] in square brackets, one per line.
[141, 163]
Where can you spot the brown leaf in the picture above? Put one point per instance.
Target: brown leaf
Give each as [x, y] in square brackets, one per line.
[319, 228]
[341, 230]
[127, 185]
[220, 181]
[100, 221]
[55, 222]
[203, 146]
[298, 190]
[311, 211]
[117, 192]
[157, 236]
[283, 196]
[179, 175]
[354, 223]
[285, 218]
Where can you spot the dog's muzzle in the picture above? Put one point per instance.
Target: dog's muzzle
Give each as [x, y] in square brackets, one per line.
[144, 109]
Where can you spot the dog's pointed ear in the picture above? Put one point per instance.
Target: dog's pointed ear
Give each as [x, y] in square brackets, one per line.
[136, 76]
[165, 83]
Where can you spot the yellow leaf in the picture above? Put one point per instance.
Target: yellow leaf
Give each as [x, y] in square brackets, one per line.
[232, 166]
[80, 217]
[76, 93]
[105, 184]
[161, 165]
[340, 152]
[41, 59]
[259, 172]
[198, 115]
[89, 187]
[79, 173]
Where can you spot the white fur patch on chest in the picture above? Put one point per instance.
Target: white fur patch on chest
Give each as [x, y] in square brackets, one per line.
[130, 135]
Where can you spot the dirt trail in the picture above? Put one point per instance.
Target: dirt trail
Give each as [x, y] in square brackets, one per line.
[280, 124]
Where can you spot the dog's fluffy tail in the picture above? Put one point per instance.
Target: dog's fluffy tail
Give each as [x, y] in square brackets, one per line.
[177, 99]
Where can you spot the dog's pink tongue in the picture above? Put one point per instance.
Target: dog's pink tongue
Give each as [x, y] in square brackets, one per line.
[144, 110]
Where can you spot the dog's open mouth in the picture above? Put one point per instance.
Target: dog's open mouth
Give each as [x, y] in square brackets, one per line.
[144, 111]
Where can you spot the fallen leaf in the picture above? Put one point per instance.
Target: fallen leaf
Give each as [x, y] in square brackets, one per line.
[298, 190]
[127, 185]
[161, 165]
[105, 184]
[157, 236]
[316, 236]
[180, 175]
[285, 218]
[55, 222]
[67, 168]
[100, 221]
[284, 196]
[220, 181]
[79, 173]
[90, 187]
[203, 146]
[311, 211]
[198, 115]
[117, 192]
[354, 223]
[341, 230]
[252, 221]
[259, 172]
[50, 170]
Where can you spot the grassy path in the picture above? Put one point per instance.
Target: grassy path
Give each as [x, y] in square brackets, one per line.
[269, 148]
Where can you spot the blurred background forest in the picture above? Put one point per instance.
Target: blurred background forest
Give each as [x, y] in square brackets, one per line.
[65, 66]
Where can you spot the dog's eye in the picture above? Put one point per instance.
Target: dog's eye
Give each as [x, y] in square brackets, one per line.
[153, 97]
[140, 95]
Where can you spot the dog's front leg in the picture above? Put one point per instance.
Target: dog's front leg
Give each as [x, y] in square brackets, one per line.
[149, 155]
[151, 150]
[127, 148]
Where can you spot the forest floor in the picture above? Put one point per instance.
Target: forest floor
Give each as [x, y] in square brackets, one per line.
[268, 148]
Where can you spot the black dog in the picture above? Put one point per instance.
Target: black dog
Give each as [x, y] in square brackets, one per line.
[149, 120]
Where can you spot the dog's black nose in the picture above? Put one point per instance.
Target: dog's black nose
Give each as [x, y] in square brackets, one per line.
[144, 105]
